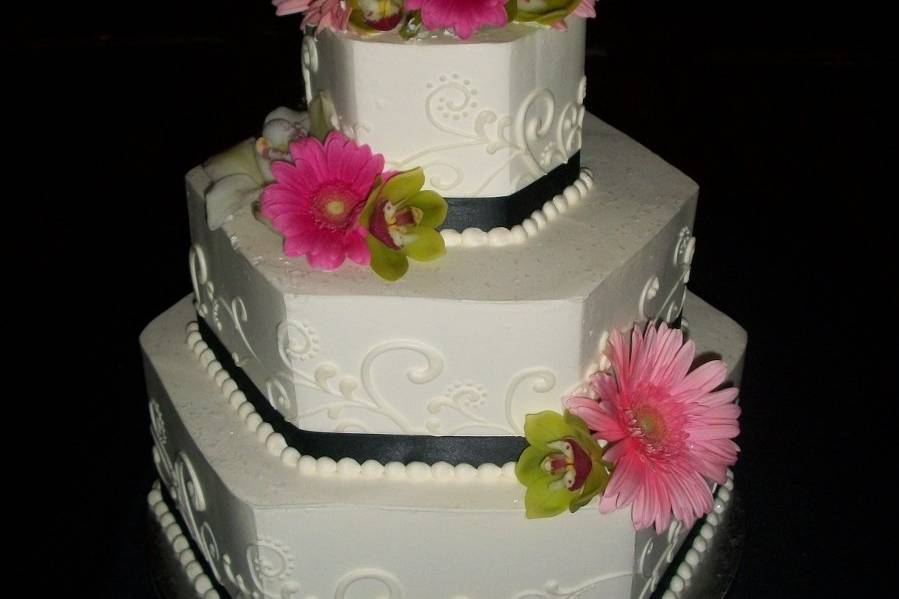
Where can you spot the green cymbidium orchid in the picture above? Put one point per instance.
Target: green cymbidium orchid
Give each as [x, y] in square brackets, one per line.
[563, 467]
[545, 12]
[401, 220]
[370, 16]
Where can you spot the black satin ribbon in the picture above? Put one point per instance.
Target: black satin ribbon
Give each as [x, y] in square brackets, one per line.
[383, 448]
[508, 211]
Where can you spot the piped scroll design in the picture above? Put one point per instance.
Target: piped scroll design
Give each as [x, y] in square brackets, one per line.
[673, 302]
[388, 581]
[269, 563]
[347, 391]
[281, 400]
[271, 566]
[537, 136]
[542, 381]
[161, 458]
[465, 399]
[298, 343]
[553, 590]
[210, 305]
[309, 58]
[653, 572]
[191, 500]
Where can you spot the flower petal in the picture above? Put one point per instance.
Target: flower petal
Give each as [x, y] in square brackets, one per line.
[723, 396]
[544, 498]
[356, 249]
[529, 467]
[432, 205]
[704, 379]
[426, 244]
[295, 246]
[326, 254]
[680, 364]
[544, 428]
[606, 425]
[402, 185]
[388, 264]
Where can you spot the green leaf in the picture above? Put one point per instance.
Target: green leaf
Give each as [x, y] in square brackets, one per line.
[511, 9]
[544, 18]
[424, 244]
[545, 427]
[321, 113]
[388, 264]
[411, 25]
[403, 185]
[432, 205]
[546, 497]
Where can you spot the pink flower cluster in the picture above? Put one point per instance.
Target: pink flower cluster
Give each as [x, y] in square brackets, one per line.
[462, 16]
[668, 429]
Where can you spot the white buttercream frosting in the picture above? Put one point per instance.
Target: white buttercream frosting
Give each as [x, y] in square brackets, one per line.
[597, 256]
[262, 519]
[484, 118]
[275, 444]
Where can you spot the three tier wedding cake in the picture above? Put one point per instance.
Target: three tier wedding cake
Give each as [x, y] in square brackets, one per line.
[440, 343]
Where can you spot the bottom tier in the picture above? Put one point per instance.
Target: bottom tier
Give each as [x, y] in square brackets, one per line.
[268, 522]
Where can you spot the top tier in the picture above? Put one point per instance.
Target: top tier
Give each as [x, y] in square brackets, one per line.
[484, 117]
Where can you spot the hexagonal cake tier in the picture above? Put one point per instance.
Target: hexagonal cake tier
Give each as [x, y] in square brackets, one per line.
[265, 521]
[485, 117]
[466, 345]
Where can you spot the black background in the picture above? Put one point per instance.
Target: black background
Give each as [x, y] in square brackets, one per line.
[783, 113]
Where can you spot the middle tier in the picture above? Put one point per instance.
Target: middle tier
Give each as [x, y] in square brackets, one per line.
[469, 344]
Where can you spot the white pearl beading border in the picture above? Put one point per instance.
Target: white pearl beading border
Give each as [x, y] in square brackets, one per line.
[348, 468]
[193, 569]
[539, 219]
[680, 582]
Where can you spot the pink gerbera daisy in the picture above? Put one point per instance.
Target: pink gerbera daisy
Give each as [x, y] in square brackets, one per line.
[317, 200]
[462, 16]
[668, 429]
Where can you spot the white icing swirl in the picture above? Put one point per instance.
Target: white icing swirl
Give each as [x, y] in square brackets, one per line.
[347, 468]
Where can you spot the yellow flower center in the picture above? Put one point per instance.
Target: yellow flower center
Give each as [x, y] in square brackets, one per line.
[651, 425]
[335, 207]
